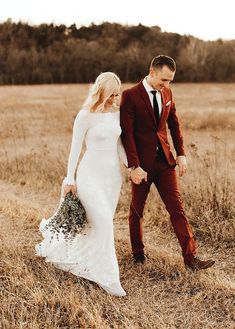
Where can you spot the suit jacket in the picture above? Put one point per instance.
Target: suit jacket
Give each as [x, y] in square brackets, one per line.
[140, 131]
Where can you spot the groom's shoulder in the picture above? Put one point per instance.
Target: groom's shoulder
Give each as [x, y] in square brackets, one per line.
[167, 91]
[133, 89]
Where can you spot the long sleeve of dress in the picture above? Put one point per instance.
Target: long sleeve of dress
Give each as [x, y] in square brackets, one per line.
[122, 152]
[80, 128]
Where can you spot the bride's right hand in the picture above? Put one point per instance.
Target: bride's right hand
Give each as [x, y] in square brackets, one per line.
[70, 188]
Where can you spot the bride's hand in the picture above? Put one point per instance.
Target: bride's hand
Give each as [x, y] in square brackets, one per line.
[70, 188]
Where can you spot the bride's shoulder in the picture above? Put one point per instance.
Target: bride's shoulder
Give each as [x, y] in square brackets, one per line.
[83, 114]
[82, 118]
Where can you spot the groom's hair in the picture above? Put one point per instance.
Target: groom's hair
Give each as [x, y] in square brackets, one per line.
[159, 61]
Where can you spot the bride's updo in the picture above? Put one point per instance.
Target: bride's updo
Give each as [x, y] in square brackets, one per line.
[106, 85]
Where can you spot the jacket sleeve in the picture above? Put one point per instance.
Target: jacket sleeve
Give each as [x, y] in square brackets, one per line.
[127, 120]
[80, 128]
[175, 130]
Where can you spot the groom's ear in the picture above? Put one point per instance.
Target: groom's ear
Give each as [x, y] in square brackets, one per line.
[151, 71]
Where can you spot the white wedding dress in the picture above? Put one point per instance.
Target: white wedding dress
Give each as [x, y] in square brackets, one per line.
[91, 254]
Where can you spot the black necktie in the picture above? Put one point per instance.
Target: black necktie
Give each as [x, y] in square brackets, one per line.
[157, 116]
[155, 105]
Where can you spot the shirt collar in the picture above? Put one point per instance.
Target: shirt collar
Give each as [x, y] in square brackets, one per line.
[147, 87]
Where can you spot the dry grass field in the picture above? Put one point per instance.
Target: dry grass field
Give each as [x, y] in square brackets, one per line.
[35, 136]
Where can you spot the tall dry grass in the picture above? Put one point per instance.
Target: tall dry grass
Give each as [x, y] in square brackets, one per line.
[35, 135]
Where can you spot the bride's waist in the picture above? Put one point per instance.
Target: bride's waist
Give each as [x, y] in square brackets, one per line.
[107, 149]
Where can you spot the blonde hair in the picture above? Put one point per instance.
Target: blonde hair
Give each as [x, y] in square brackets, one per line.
[105, 85]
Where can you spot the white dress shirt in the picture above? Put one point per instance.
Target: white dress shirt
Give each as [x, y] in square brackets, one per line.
[148, 89]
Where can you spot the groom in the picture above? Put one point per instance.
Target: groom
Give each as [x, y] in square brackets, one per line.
[146, 111]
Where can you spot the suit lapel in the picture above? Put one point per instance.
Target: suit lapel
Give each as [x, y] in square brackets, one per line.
[146, 99]
[163, 107]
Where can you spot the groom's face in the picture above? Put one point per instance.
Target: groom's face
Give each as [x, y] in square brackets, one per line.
[161, 78]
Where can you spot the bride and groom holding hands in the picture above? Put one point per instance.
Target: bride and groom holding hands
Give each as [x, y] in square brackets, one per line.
[135, 135]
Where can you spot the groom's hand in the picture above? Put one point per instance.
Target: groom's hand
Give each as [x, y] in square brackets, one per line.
[137, 175]
[182, 163]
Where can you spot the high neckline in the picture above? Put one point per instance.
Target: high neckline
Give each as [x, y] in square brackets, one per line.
[105, 112]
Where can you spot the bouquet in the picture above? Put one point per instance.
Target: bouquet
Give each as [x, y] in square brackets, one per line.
[70, 218]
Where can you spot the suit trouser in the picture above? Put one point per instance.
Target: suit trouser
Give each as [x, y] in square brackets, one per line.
[165, 180]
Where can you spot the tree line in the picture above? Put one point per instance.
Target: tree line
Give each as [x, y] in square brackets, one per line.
[50, 53]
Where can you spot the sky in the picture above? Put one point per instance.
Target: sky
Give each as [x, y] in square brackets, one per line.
[205, 19]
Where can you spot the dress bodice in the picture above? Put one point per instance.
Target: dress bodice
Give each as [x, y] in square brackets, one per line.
[103, 132]
[100, 131]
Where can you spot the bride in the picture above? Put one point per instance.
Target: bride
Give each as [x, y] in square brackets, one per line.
[97, 182]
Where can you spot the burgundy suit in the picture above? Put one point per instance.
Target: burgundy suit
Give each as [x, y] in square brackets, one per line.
[142, 135]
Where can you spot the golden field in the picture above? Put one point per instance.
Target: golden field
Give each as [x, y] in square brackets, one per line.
[35, 136]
